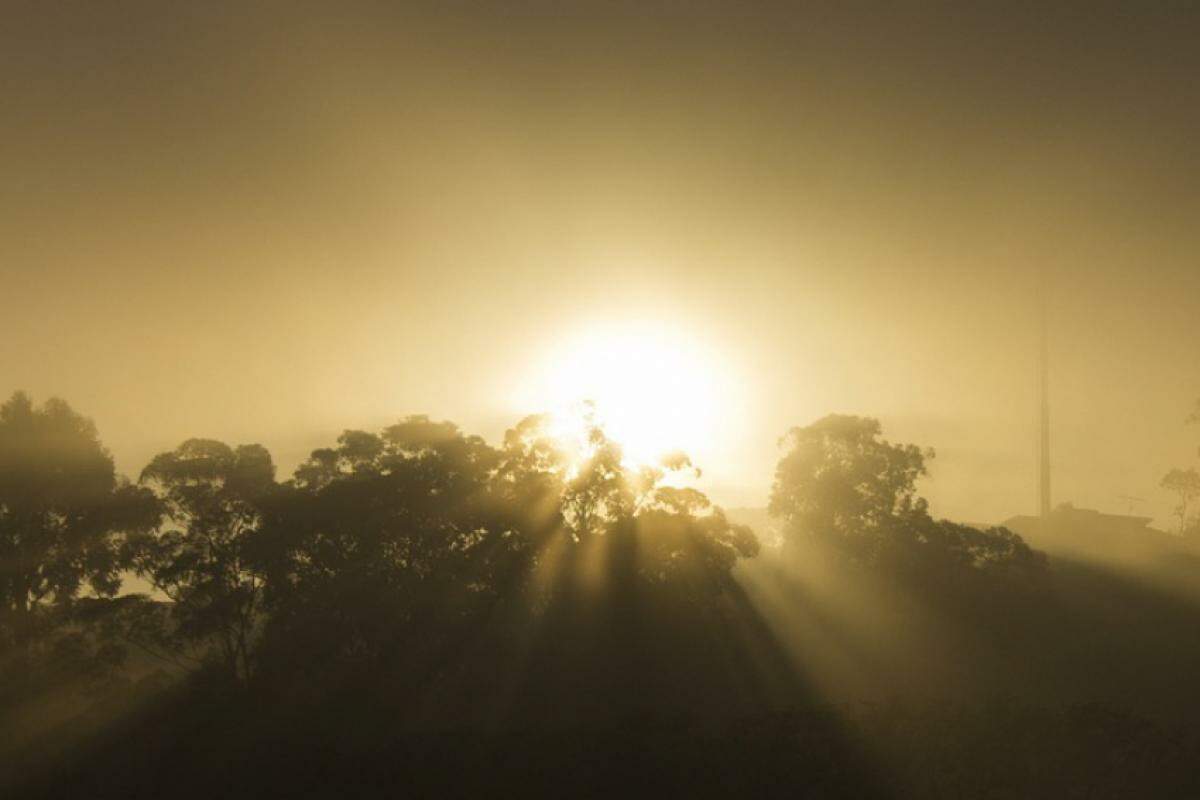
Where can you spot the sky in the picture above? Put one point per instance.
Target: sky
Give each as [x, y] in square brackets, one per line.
[267, 222]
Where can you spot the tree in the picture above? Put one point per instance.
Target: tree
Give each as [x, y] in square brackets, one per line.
[213, 496]
[631, 593]
[599, 495]
[382, 547]
[842, 483]
[1185, 484]
[63, 514]
[1194, 417]
[687, 542]
[582, 475]
[392, 556]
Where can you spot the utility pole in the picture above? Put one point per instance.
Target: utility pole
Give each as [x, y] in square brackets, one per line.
[1044, 396]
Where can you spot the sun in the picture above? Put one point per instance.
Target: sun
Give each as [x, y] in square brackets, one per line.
[653, 388]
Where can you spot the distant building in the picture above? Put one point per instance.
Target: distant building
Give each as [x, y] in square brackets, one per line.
[1084, 530]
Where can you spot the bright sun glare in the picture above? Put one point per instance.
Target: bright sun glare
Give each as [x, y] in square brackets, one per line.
[654, 389]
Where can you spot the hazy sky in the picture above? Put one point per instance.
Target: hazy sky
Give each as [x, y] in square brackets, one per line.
[268, 222]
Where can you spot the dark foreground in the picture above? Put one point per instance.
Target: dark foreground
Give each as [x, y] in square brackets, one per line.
[185, 743]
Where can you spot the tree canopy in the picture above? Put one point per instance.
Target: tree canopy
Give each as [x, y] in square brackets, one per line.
[419, 578]
[63, 515]
[212, 496]
[841, 485]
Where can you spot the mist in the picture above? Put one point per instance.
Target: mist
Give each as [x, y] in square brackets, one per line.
[619, 254]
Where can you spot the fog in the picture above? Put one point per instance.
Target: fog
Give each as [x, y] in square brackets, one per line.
[462, 398]
[265, 221]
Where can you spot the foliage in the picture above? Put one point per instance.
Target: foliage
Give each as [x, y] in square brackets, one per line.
[63, 513]
[382, 539]
[390, 551]
[1184, 484]
[567, 616]
[841, 485]
[212, 495]
[839, 480]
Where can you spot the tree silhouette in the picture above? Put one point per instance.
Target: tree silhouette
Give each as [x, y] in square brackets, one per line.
[63, 513]
[383, 546]
[841, 482]
[213, 497]
[416, 602]
[841, 485]
[393, 554]
[628, 572]
[599, 494]
[1184, 484]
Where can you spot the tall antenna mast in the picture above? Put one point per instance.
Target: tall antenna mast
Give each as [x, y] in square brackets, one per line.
[1044, 397]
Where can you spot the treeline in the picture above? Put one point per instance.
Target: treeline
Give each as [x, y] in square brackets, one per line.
[418, 580]
[403, 551]
[393, 553]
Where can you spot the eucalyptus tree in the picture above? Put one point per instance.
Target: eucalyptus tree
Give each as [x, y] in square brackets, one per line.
[841, 485]
[64, 513]
[1185, 485]
[384, 546]
[631, 576]
[200, 558]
